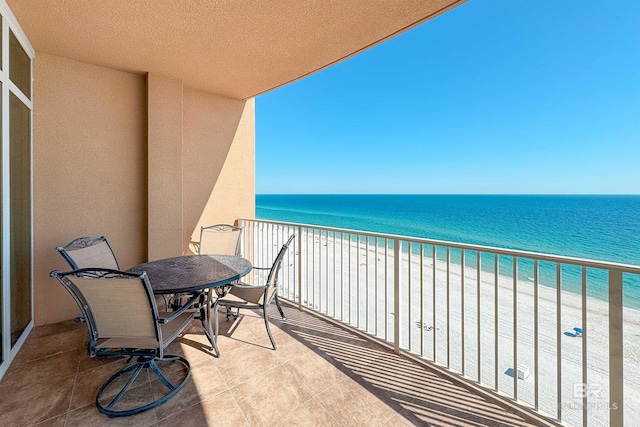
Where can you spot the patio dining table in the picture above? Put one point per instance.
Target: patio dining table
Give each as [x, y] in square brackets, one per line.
[194, 274]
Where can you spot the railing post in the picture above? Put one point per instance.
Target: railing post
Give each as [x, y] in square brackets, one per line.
[299, 268]
[616, 350]
[241, 224]
[396, 295]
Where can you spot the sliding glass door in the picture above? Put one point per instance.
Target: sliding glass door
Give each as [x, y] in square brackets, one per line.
[16, 269]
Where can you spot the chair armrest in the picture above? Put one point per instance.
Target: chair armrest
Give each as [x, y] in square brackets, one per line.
[178, 312]
[246, 286]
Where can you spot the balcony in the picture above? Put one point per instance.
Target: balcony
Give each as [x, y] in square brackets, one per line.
[323, 373]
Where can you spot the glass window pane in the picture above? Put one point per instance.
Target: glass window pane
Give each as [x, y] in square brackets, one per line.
[19, 66]
[1, 230]
[20, 200]
[1, 46]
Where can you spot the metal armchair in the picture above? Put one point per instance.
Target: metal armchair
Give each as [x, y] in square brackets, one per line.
[123, 320]
[85, 252]
[220, 239]
[94, 252]
[255, 297]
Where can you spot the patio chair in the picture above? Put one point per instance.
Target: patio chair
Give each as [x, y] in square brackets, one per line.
[94, 252]
[123, 320]
[247, 296]
[220, 239]
[85, 252]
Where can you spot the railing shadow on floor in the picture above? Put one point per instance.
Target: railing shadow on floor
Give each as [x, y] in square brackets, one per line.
[422, 395]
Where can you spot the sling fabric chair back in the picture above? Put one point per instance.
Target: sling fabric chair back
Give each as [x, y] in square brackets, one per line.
[220, 239]
[123, 320]
[89, 252]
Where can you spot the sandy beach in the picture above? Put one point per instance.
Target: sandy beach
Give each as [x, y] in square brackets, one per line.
[348, 281]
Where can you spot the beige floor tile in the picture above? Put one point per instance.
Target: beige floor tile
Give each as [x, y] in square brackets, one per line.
[511, 419]
[59, 421]
[38, 347]
[353, 405]
[41, 372]
[290, 348]
[400, 421]
[309, 414]
[264, 398]
[219, 410]
[27, 405]
[89, 382]
[315, 373]
[85, 362]
[194, 347]
[56, 328]
[243, 363]
[90, 416]
[244, 332]
[204, 383]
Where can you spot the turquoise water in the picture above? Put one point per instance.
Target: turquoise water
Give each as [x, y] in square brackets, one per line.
[603, 228]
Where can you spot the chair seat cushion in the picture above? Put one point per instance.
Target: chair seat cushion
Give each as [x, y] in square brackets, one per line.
[248, 294]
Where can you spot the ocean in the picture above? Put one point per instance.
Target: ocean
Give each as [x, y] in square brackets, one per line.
[600, 227]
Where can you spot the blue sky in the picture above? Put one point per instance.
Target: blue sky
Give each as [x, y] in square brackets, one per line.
[493, 97]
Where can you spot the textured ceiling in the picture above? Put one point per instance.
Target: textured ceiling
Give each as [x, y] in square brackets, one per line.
[237, 48]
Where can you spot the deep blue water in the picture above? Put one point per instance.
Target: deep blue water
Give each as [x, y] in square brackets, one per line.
[604, 227]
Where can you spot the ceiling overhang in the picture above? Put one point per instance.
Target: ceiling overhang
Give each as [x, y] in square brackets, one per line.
[234, 48]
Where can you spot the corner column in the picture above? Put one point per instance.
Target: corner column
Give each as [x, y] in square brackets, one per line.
[165, 177]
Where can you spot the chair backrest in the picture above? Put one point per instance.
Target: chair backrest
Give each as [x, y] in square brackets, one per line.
[220, 239]
[89, 252]
[117, 306]
[272, 279]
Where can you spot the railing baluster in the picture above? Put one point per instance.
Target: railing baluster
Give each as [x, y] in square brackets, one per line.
[319, 268]
[616, 349]
[515, 328]
[386, 288]
[584, 344]
[478, 336]
[366, 287]
[535, 334]
[341, 276]
[409, 292]
[421, 301]
[307, 269]
[496, 265]
[462, 305]
[334, 276]
[448, 307]
[349, 281]
[433, 296]
[559, 339]
[358, 280]
[376, 292]
[396, 295]
[326, 253]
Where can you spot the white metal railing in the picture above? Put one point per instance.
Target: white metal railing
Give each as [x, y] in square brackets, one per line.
[487, 314]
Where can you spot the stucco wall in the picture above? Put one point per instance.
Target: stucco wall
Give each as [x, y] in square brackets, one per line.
[100, 149]
[89, 169]
[218, 161]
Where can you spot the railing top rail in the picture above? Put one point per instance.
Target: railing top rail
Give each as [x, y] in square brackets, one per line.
[607, 265]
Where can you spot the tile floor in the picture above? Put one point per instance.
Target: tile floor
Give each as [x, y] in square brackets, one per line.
[322, 374]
